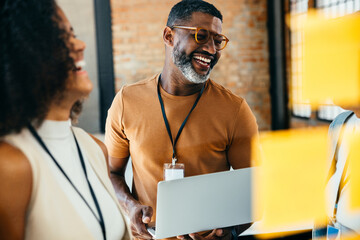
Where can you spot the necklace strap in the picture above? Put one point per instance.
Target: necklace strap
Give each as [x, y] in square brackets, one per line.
[173, 142]
[43, 145]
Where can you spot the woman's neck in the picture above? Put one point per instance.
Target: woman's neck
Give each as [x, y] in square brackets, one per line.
[59, 111]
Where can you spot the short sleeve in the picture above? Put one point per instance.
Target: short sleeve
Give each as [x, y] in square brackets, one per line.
[115, 137]
[244, 130]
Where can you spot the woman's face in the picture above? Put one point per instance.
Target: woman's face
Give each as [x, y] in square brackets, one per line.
[78, 85]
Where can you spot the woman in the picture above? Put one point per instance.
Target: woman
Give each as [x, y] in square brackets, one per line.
[54, 181]
[342, 221]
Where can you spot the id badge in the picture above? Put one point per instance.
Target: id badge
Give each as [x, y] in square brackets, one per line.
[332, 233]
[173, 171]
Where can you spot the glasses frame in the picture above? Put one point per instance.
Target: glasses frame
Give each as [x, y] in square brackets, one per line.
[197, 29]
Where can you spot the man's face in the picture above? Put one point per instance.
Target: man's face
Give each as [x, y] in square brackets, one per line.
[195, 60]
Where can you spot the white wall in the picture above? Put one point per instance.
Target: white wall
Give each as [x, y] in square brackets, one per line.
[82, 18]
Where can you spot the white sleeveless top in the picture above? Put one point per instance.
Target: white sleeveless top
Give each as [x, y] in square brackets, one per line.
[346, 216]
[56, 211]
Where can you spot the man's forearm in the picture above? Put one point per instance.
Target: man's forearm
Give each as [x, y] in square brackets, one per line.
[123, 194]
[138, 214]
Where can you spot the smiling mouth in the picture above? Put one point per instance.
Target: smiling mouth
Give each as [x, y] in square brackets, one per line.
[203, 61]
[79, 65]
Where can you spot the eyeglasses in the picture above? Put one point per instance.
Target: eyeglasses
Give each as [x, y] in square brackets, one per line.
[202, 36]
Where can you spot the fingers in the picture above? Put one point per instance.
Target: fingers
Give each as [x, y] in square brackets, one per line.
[183, 237]
[140, 215]
[147, 213]
[212, 235]
[196, 236]
[223, 233]
[216, 234]
[140, 231]
[219, 232]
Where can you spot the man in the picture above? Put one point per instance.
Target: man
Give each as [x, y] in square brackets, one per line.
[143, 122]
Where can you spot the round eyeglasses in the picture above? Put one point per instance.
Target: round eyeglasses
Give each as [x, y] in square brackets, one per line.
[202, 36]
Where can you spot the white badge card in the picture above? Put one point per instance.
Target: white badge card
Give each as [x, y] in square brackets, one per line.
[173, 171]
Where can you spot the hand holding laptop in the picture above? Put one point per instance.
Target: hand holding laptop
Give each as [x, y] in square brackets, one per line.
[140, 215]
[230, 204]
[216, 234]
[220, 233]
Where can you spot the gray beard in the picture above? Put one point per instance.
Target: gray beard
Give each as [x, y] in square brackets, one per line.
[183, 62]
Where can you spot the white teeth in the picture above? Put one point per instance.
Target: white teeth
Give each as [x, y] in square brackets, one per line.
[203, 59]
[80, 64]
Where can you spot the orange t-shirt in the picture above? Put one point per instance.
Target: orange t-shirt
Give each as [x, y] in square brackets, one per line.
[216, 136]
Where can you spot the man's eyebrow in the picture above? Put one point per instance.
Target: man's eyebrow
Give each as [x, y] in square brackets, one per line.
[71, 29]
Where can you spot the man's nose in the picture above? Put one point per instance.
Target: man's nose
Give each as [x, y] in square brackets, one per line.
[209, 46]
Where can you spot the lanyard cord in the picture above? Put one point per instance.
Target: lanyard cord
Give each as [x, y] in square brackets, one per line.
[333, 166]
[41, 142]
[167, 122]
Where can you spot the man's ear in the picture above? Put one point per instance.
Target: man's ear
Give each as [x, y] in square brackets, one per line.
[168, 36]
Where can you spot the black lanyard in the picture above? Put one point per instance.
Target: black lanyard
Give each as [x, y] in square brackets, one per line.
[41, 142]
[182, 125]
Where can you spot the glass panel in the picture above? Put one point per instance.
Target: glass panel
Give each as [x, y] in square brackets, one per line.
[331, 9]
[298, 10]
[356, 6]
[350, 7]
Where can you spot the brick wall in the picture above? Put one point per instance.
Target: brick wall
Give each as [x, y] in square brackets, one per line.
[243, 67]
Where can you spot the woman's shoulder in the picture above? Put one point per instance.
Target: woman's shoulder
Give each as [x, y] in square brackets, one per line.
[13, 160]
[15, 179]
[100, 144]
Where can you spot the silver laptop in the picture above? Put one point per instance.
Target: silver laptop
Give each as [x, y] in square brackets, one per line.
[203, 202]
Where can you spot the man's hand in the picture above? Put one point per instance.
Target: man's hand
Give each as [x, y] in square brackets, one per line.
[139, 216]
[216, 234]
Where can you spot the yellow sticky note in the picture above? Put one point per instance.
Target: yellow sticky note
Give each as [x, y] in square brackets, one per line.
[289, 192]
[354, 170]
[350, 237]
[331, 60]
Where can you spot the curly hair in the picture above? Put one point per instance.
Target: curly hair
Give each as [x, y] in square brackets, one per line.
[34, 62]
[182, 11]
